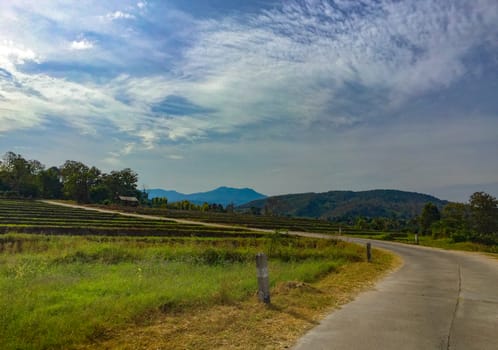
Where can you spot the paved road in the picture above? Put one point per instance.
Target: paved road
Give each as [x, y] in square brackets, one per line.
[436, 300]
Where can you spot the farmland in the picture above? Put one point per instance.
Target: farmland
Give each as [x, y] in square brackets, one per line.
[255, 221]
[80, 278]
[24, 216]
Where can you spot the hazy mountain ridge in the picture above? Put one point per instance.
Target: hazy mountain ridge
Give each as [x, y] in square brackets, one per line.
[221, 195]
[336, 204]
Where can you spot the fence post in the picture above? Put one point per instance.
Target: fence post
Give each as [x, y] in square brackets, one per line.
[369, 252]
[263, 278]
[416, 238]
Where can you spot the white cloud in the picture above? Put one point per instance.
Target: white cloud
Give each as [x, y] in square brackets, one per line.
[141, 4]
[12, 55]
[119, 15]
[175, 157]
[81, 45]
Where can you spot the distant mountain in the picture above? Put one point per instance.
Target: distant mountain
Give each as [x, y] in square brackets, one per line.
[221, 195]
[337, 204]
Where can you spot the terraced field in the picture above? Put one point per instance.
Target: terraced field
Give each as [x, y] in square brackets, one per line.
[27, 216]
[256, 221]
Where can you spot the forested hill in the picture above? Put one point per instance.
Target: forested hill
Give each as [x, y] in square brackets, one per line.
[343, 204]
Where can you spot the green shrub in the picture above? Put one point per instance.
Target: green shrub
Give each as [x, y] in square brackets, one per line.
[459, 237]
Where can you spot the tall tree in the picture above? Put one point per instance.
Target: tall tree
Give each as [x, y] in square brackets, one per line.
[19, 174]
[484, 212]
[456, 217]
[430, 214]
[121, 183]
[49, 183]
[77, 180]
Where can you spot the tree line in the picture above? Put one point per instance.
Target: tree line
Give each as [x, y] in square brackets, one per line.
[21, 177]
[475, 221]
[162, 202]
[24, 178]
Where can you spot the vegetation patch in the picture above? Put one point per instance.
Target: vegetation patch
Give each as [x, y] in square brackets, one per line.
[296, 307]
[61, 291]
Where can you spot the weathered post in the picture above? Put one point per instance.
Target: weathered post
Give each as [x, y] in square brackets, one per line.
[369, 252]
[416, 238]
[263, 278]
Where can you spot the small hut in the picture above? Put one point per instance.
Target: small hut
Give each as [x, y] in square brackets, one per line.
[128, 201]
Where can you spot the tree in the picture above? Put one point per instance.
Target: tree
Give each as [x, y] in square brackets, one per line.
[455, 217]
[19, 174]
[159, 202]
[484, 213]
[430, 214]
[49, 183]
[121, 183]
[77, 180]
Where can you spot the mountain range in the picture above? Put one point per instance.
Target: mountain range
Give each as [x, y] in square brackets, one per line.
[340, 204]
[326, 205]
[221, 195]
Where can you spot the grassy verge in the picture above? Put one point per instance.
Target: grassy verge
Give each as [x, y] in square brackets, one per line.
[247, 324]
[61, 291]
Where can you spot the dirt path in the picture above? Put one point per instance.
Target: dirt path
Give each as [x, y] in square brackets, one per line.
[152, 217]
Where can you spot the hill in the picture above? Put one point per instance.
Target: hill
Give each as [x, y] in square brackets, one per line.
[341, 204]
[221, 195]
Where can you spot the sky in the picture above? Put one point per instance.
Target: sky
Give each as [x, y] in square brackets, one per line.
[280, 96]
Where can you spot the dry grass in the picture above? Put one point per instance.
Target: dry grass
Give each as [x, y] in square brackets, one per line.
[296, 307]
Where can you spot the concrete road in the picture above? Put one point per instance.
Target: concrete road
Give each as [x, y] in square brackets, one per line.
[436, 300]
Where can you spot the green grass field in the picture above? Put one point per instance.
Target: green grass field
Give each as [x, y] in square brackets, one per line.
[58, 291]
[62, 291]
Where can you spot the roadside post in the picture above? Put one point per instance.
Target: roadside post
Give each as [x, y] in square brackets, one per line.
[263, 278]
[416, 238]
[369, 252]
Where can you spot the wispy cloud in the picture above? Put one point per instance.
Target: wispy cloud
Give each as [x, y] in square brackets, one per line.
[81, 44]
[305, 64]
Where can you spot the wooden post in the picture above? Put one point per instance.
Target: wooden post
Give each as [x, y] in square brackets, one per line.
[263, 278]
[416, 238]
[369, 252]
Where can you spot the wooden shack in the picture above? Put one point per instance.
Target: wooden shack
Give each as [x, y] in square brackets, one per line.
[128, 201]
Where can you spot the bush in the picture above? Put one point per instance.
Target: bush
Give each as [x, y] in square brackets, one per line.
[487, 239]
[459, 237]
[393, 235]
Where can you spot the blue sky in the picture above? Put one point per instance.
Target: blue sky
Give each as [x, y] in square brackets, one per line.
[282, 96]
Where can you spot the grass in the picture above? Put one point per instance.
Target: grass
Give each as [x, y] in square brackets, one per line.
[184, 288]
[64, 291]
[248, 324]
